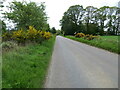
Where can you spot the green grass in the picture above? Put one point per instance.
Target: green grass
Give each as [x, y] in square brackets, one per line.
[109, 43]
[26, 67]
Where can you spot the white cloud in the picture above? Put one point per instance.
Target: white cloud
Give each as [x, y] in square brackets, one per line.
[56, 8]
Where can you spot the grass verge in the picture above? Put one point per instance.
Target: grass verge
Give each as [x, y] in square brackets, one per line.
[26, 67]
[110, 43]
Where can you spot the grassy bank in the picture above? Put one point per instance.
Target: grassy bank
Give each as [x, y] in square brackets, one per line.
[26, 67]
[105, 42]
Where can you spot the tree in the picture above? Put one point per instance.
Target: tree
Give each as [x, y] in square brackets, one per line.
[24, 14]
[72, 20]
[58, 32]
[91, 20]
[112, 20]
[90, 17]
[102, 14]
[3, 26]
[53, 30]
[48, 28]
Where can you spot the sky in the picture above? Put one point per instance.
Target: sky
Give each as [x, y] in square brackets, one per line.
[56, 8]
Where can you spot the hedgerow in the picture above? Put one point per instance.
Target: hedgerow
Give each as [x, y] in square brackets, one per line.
[21, 36]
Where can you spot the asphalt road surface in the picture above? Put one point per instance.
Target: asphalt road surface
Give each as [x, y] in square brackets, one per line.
[77, 65]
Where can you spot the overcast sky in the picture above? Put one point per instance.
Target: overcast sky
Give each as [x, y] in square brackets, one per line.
[56, 8]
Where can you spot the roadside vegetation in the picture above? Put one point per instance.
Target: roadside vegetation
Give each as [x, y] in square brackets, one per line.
[109, 43]
[26, 48]
[26, 56]
[94, 26]
[26, 66]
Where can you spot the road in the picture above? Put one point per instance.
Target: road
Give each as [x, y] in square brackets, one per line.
[77, 65]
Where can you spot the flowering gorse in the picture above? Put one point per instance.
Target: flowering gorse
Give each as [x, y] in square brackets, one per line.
[31, 34]
[19, 36]
[80, 35]
[87, 36]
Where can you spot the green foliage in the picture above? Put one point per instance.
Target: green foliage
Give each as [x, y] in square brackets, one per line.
[71, 21]
[106, 42]
[53, 30]
[24, 14]
[3, 26]
[58, 32]
[90, 20]
[26, 67]
[7, 36]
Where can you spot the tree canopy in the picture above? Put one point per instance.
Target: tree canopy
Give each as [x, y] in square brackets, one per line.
[90, 20]
[25, 14]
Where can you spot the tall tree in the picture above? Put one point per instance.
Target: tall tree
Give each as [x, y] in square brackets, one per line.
[72, 19]
[24, 14]
[53, 30]
[91, 20]
[103, 12]
[89, 17]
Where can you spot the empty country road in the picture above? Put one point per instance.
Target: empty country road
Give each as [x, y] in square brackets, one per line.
[77, 65]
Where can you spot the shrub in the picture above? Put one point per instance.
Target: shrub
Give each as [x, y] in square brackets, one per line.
[37, 35]
[87, 36]
[47, 35]
[6, 36]
[31, 34]
[90, 37]
[80, 35]
[19, 36]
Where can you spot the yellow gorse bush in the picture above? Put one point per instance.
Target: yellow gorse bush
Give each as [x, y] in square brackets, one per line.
[87, 36]
[90, 37]
[47, 35]
[30, 35]
[19, 36]
[80, 35]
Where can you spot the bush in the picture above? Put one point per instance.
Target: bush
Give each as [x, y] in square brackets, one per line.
[31, 34]
[6, 36]
[80, 35]
[88, 37]
[19, 36]
[91, 37]
[37, 35]
[47, 35]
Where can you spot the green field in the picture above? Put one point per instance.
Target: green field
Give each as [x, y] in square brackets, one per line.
[106, 42]
[26, 66]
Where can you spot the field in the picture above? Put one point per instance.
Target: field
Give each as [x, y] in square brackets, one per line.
[110, 43]
[26, 66]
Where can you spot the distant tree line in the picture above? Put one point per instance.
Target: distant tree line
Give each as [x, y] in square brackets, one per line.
[91, 20]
